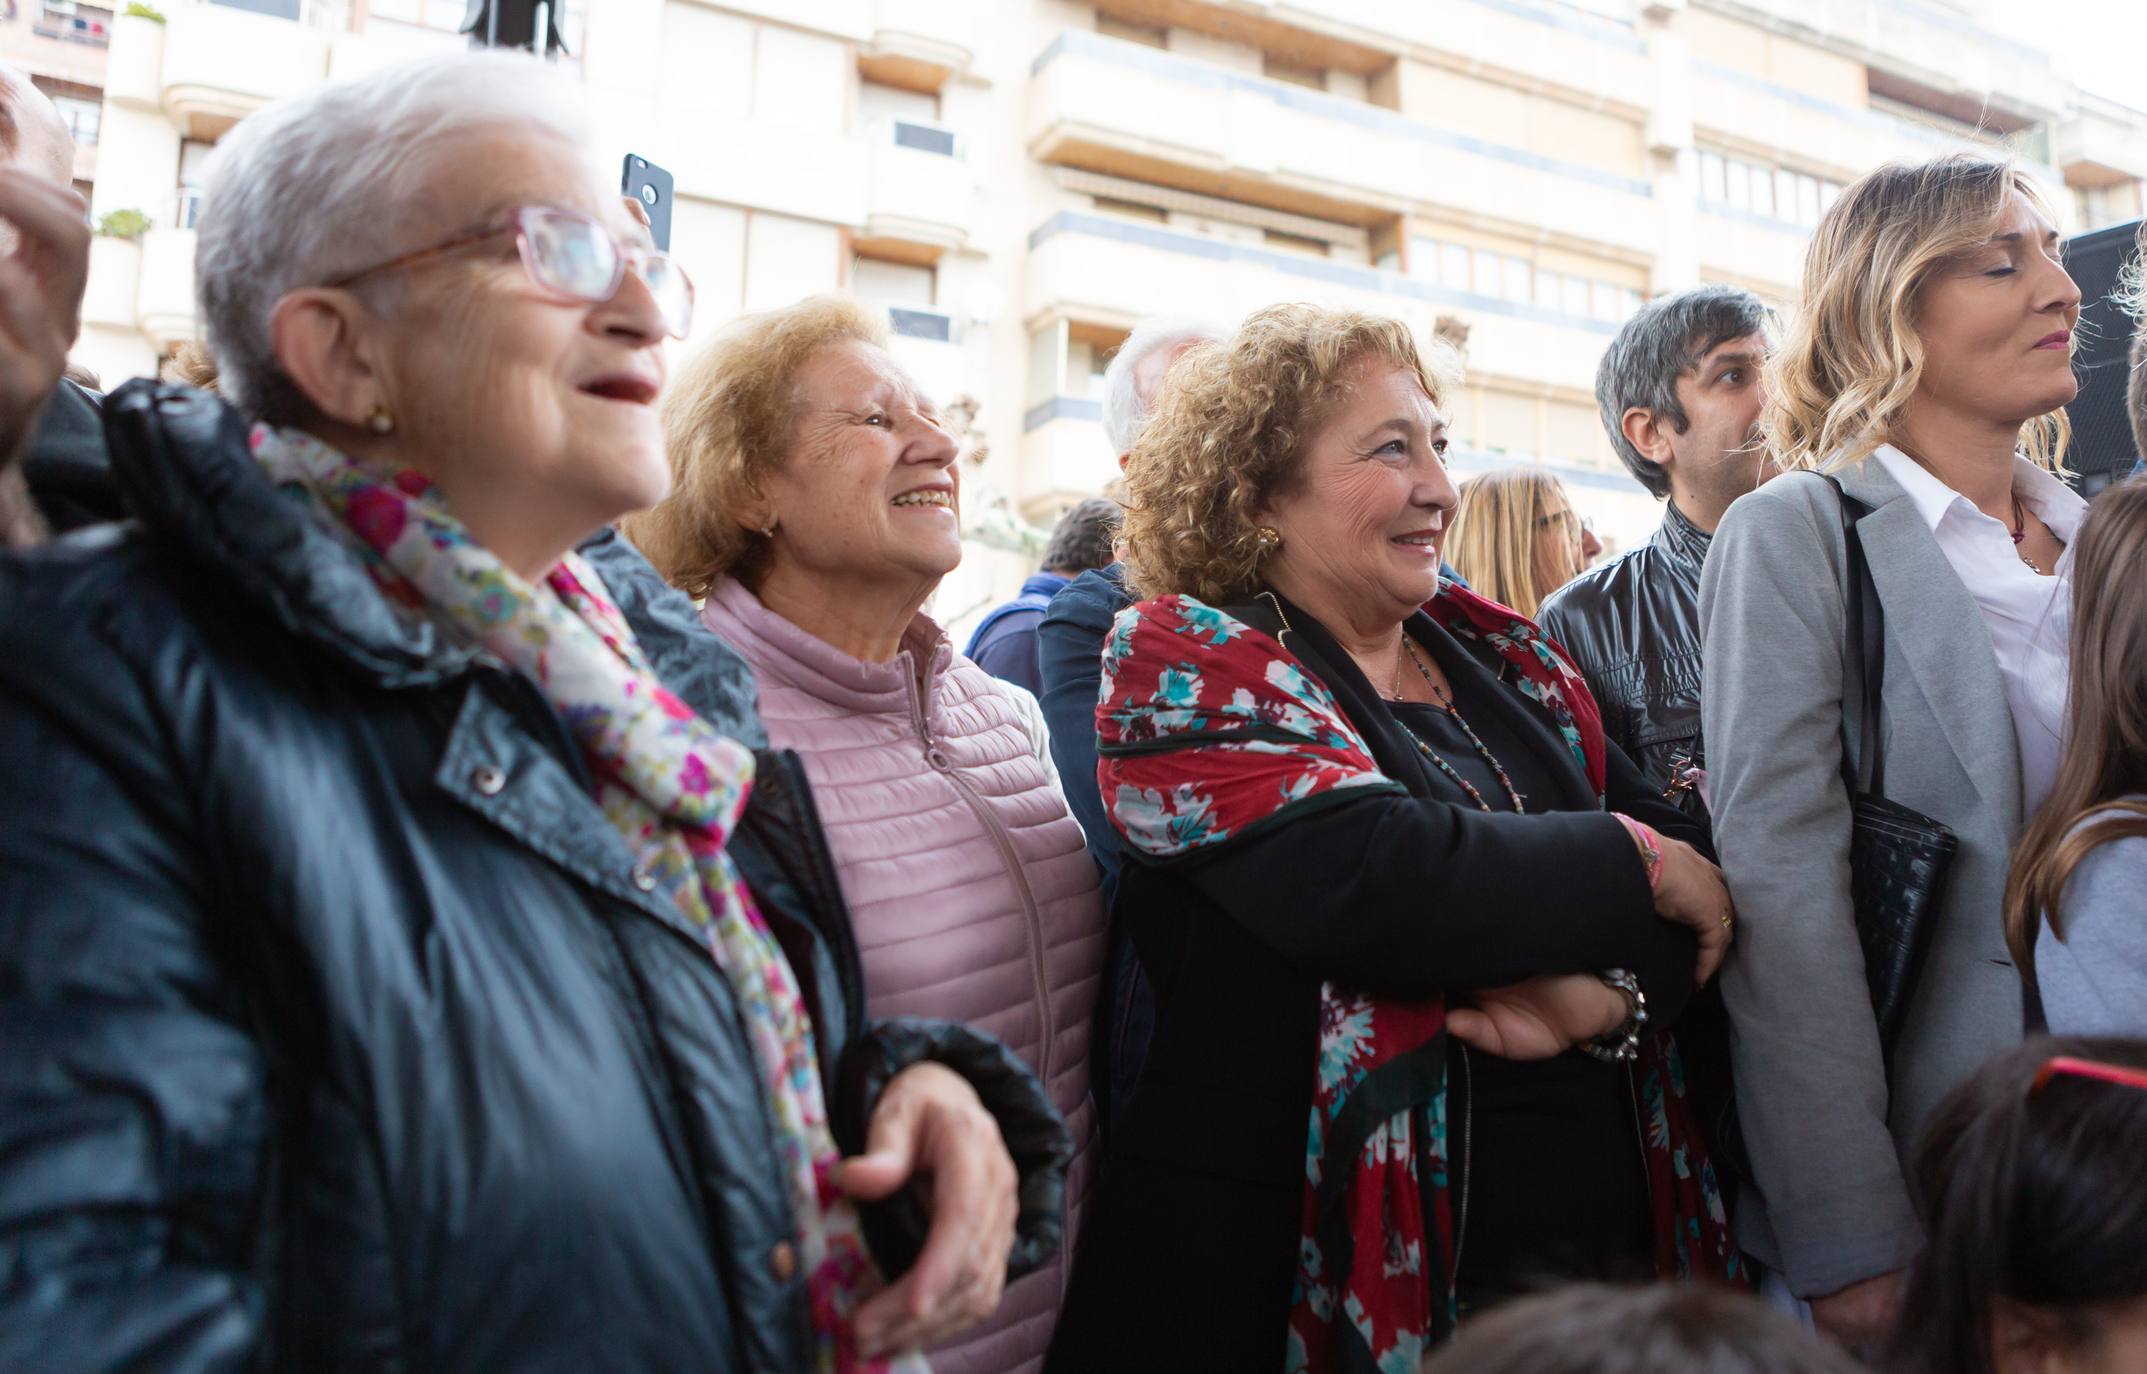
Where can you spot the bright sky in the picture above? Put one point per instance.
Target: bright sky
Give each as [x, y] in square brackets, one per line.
[2103, 43]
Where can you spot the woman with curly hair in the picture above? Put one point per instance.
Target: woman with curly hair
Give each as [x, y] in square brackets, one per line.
[1412, 968]
[1920, 394]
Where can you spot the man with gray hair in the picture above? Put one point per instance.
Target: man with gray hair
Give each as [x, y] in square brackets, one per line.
[1680, 394]
[51, 432]
[1070, 646]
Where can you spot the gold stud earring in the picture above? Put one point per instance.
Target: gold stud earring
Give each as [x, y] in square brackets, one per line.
[380, 421]
[1268, 538]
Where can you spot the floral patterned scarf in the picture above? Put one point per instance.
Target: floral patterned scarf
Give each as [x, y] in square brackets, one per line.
[1210, 731]
[666, 781]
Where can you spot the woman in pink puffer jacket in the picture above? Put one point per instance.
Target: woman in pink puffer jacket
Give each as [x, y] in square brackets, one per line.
[815, 512]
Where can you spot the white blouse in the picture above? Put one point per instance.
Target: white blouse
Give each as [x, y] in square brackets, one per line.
[2029, 616]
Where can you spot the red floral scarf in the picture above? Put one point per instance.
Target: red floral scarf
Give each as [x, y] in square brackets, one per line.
[1209, 731]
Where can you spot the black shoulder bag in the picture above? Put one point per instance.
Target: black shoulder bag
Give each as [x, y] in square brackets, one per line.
[1898, 858]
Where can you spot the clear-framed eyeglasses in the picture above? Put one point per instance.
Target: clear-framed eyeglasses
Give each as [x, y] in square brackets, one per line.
[572, 256]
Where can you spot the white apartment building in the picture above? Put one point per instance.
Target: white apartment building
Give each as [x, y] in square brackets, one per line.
[1018, 181]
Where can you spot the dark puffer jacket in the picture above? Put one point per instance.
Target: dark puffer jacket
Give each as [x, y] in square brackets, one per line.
[1633, 629]
[338, 1035]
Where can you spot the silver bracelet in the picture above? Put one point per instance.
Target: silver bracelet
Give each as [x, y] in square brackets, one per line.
[1623, 1044]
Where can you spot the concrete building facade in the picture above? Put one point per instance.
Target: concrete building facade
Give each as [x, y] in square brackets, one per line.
[1018, 181]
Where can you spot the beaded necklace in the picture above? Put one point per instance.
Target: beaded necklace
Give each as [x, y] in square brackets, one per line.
[1445, 703]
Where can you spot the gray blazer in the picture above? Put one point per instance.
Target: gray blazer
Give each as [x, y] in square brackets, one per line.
[1827, 1144]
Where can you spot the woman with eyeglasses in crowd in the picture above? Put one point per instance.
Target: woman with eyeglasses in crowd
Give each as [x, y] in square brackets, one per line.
[414, 957]
[1516, 537]
[1926, 372]
[816, 507]
[2028, 1178]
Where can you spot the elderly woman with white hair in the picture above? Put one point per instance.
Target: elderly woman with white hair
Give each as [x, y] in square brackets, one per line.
[413, 957]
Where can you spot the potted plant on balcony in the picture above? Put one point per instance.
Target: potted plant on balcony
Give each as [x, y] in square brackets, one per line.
[123, 224]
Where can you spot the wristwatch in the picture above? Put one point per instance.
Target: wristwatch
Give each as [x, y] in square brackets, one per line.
[1622, 1044]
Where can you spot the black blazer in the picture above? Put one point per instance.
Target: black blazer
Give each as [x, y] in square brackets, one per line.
[1191, 1240]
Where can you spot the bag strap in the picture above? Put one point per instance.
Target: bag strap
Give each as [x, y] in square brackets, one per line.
[1863, 763]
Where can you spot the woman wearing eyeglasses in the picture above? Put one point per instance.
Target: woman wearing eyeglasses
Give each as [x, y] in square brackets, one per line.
[414, 958]
[2028, 1178]
[1516, 538]
[814, 514]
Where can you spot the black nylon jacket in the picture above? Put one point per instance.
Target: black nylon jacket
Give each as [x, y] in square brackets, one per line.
[1632, 626]
[337, 1033]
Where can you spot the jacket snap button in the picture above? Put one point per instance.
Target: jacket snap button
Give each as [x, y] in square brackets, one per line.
[488, 781]
[643, 878]
[783, 1262]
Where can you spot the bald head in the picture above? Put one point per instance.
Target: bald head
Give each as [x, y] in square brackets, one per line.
[33, 137]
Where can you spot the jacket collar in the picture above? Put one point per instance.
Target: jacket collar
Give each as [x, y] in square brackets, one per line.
[1680, 538]
[1045, 584]
[2056, 504]
[1391, 745]
[781, 652]
[1943, 643]
[184, 465]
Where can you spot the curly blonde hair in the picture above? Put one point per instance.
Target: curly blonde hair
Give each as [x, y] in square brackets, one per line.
[1491, 536]
[1228, 435]
[729, 417]
[1844, 374]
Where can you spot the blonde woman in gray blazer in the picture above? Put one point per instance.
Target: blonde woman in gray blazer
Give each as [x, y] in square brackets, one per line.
[1933, 346]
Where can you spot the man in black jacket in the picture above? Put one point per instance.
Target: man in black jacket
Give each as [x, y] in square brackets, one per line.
[1680, 394]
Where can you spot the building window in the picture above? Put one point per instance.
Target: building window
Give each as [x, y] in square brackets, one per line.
[1296, 243]
[1762, 192]
[880, 103]
[1776, 192]
[1714, 178]
[1296, 74]
[1147, 35]
[909, 117]
[1133, 209]
[279, 9]
[425, 14]
[82, 116]
[1513, 279]
[74, 21]
[193, 178]
[1484, 279]
[906, 291]
[1454, 266]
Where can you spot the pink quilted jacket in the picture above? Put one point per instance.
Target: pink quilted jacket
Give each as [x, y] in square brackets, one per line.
[971, 894]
